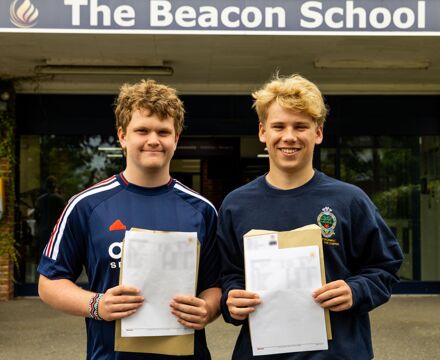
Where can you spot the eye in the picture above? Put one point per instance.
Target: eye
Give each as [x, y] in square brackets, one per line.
[302, 126]
[141, 131]
[277, 126]
[164, 133]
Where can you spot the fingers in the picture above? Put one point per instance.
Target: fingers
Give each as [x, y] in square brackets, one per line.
[123, 295]
[192, 321]
[109, 310]
[329, 286]
[240, 313]
[188, 300]
[190, 324]
[189, 305]
[122, 307]
[123, 290]
[335, 296]
[242, 298]
[118, 315]
[119, 302]
[190, 311]
[236, 293]
[241, 303]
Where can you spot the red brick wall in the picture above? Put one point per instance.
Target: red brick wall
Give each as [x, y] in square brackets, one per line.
[7, 225]
[6, 284]
[7, 222]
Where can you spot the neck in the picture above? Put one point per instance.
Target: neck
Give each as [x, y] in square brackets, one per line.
[147, 178]
[288, 181]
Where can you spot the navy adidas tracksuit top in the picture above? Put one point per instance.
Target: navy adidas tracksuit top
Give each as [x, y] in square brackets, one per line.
[90, 231]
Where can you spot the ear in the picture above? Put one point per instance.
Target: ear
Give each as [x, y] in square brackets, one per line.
[176, 141]
[319, 135]
[262, 132]
[121, 137]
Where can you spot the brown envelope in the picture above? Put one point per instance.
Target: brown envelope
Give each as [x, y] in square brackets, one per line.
[304, 236]
[167, 345]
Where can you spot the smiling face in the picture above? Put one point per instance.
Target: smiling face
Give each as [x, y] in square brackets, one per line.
[149, 143]
[290, 138]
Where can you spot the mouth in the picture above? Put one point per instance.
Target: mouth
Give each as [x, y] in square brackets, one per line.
[152, 151]
[289, 151]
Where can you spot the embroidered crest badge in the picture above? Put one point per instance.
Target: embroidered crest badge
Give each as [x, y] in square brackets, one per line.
[327, 222]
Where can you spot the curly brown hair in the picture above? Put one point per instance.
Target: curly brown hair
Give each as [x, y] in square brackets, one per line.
[160, 100]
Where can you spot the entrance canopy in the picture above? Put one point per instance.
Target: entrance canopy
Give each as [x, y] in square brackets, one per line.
[227, 47]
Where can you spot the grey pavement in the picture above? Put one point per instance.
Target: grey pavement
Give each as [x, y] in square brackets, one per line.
[407, 327]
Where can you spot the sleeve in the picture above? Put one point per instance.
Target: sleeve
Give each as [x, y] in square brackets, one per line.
[65, 253]
[209, 265]
[377, 257]
[232, 261]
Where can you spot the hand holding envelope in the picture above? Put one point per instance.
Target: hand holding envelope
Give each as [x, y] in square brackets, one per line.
[161, 265]
[284, 268]
[119, 302]
[190, 311]
[334, 296]
[241, 303]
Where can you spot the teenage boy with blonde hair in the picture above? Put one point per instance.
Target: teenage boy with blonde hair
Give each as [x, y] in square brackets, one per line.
[361, 255]
[149, 120]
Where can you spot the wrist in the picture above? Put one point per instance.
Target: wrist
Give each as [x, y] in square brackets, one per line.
[94, 306]
[213, 310]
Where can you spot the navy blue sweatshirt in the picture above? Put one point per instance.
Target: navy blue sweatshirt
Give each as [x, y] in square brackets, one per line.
[358, 248]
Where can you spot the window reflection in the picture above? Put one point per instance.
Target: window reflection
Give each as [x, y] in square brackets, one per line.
[77, 162]
[389, 170]
[400, 174]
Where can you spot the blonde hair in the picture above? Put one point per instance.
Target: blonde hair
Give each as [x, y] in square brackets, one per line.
[293, 93]
[160, 100]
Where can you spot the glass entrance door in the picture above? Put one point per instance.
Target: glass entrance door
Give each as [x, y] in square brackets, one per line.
[51, 170]
[401, 174]
[393, 171]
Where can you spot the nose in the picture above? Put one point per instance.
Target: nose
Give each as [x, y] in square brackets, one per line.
[153, 139]
[289, 134]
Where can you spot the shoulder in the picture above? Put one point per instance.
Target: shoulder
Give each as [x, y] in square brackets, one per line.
[247, 191]
[194, 199]
[329, 183]
[350, 194]
[88, 199]
[250, 188]
[77, 212]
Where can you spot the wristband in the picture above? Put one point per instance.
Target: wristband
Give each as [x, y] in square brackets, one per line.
[93, 306]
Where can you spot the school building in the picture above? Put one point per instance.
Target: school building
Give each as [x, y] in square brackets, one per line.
[376, 61]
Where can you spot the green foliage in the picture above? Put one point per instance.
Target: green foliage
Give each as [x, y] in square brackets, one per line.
[7, 246]
[396, 202]
[79, 163]
[7, 241]
[7, 137]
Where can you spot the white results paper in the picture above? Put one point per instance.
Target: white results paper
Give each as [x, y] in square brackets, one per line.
[161, 265]
[288, 319]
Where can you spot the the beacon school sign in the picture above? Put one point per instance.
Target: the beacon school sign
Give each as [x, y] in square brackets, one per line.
[326, 17]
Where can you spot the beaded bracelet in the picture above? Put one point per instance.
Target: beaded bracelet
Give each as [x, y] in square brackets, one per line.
[93, 306]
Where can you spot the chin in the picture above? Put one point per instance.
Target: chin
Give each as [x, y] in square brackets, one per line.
[152, 166]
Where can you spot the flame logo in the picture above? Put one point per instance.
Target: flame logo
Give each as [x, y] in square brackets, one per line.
[24, 15]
